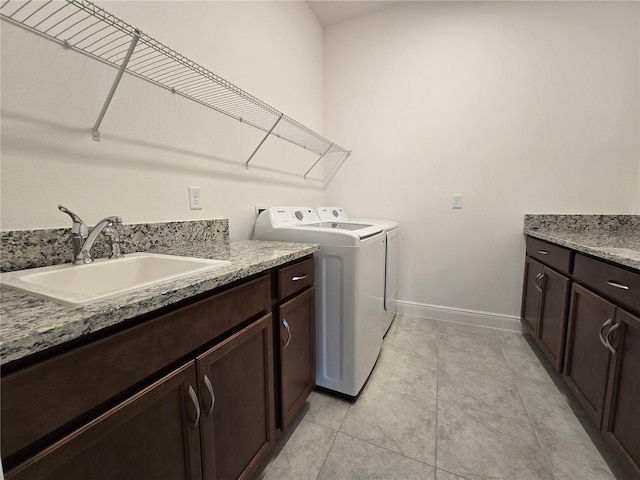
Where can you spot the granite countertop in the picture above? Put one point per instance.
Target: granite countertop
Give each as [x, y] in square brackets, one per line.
[30, 324]
[615, 238]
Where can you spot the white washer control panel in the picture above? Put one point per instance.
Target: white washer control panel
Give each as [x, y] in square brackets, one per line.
[331, 214]
[288, 216]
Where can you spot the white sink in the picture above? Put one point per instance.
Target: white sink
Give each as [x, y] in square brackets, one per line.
[81, 284]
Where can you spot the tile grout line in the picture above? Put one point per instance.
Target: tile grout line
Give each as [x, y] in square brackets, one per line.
[387, 449]
[531, 424]
[327, 455]
[337, 431]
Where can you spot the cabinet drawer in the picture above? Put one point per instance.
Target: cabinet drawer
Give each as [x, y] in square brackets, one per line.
[81, 381]
[295, 277]
[618, 284]
[552, 255]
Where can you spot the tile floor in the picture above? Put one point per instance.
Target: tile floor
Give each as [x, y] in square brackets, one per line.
[445, 402]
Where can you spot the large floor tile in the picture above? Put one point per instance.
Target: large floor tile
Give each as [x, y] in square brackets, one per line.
[511, 340]
[351, 458]
[326, 409]
[548, 407]
[573, 457]
[521, 359]
[475, 403]
[303, 455]
[479, 390]
[395, 420]
[478, 445]
[476, 353]
[414, 334]
[406, 373]
[478, 334]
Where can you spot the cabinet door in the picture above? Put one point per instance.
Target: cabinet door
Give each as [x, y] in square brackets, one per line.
[622, 424]
[587, 359]
[553, 315]
[237, 401]
[531, 296]
[297, 345]
[154, 434]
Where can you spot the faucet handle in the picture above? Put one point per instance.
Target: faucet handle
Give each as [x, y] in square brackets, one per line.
[78, 227]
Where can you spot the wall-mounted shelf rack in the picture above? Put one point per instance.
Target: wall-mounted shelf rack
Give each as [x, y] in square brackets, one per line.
[89, 29]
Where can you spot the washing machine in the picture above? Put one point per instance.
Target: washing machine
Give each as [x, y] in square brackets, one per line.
[349, 291]
[391, 258]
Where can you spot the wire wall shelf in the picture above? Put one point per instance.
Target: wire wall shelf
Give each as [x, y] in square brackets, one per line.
[84, 27]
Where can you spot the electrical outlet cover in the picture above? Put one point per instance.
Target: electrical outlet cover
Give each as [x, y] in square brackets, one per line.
[195, 199]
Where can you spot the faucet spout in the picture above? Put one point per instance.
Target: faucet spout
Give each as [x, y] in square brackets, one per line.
[83, 239]
[103, 225]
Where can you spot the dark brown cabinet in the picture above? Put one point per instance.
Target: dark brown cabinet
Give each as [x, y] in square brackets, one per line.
[603, 354]
[587, 355]
[171, 429]
[591, 335]
[297, 353]
[237, 402]
[554, 304]
[296, 337]
[188, 393]
[622, 417]
[49, 399]
[545, 299]
[603, 351]
[126, 441]
[531, 296]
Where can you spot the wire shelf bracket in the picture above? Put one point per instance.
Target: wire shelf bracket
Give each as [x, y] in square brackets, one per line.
[84, 27]
[246, 165]
[344, 156]
[95, 134]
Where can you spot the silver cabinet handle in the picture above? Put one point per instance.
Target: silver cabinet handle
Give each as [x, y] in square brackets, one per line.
[609, 346]
[543, 252]
[538, 282]
[299, 277]
[286, 325]
[194, 399]
[617, 285]
[604, 325]
[207, 384]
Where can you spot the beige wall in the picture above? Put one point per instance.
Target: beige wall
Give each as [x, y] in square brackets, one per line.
[521, 107]
[154, 144]
[518, 106]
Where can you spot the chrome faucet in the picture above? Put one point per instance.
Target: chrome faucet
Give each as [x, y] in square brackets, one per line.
[83, 239]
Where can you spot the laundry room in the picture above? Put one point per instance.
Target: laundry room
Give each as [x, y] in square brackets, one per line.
[492, 133]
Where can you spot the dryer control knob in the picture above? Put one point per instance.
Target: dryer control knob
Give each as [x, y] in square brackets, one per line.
[299, 215]
[335, 213]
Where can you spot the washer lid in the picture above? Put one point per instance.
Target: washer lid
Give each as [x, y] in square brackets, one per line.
[360, 229]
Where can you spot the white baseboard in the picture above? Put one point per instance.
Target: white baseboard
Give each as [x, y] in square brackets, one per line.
[460, 315]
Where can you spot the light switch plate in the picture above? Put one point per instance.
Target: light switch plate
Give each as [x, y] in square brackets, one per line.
[457, 201]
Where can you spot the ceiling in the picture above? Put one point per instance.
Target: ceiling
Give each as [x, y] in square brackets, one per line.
[331, 12]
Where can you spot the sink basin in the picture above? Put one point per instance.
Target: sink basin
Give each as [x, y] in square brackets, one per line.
[82, 284]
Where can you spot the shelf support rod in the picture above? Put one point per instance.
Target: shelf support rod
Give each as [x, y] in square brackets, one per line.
[95, 134]
[246, 165]
[316, 162]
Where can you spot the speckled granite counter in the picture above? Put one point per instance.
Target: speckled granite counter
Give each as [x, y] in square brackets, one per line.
[30, 324]
[615, 238]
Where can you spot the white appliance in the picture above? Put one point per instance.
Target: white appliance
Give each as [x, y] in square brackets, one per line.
[349, 293]
[391, 258]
